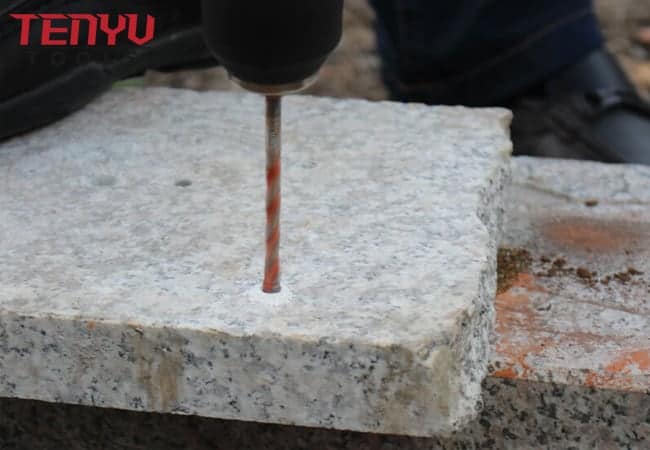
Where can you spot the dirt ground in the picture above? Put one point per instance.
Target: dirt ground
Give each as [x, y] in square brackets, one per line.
[353, 70]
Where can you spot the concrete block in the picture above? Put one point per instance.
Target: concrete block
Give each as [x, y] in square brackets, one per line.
[131, 240]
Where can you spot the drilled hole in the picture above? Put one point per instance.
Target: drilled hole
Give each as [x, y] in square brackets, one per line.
[183, 183]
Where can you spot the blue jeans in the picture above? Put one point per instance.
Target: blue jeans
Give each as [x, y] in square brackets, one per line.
[479, 52]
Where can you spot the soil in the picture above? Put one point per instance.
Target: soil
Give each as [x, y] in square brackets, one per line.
[558, 267]
[585, 274]
[353, 70]
[510, 263]
[625, 23]
[634, 272]
[623, 277]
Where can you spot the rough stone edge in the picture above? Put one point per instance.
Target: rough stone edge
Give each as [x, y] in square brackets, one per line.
[149, 369]
[464, 376]
[482, 318]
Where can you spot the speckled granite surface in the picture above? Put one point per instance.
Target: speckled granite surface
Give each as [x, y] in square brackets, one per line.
[121, 286]
[579, 314]
[601, 399]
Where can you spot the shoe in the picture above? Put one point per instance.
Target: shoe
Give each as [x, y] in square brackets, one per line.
[588, 111]
[40, 84]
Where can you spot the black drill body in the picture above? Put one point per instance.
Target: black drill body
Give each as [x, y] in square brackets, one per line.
[272, 42]
[273, 47]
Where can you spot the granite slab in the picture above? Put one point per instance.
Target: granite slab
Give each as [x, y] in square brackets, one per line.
[578, 311]
[131, 253]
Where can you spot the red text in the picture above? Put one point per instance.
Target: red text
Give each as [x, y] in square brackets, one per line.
[68, 28]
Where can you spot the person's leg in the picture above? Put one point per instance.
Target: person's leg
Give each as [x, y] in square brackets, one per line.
[541, 58]
[479, 52]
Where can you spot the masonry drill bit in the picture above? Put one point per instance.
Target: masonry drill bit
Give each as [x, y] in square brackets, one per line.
[273, 193]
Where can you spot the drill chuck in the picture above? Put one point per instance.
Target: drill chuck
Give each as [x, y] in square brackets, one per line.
[273, 46]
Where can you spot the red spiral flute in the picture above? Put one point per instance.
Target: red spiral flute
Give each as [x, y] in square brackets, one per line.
[273, 193]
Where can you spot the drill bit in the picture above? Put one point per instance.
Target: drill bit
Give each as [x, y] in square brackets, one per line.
[273, 193]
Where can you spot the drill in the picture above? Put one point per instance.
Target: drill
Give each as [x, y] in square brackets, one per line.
[274, 48]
